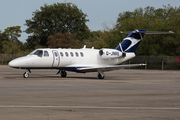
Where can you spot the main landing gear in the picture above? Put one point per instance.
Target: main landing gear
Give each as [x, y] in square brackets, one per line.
[100, 74]
[62, 73]
[26, 74]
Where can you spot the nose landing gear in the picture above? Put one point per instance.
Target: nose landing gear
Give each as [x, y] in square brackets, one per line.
[26, 74]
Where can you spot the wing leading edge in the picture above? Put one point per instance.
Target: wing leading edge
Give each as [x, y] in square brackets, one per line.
[107, 68]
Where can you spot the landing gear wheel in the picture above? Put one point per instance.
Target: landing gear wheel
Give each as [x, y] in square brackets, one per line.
[100, 76]
[63, 73]
[26, 75]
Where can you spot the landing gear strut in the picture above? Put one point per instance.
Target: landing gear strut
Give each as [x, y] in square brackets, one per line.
[100, 74]
[26, 74]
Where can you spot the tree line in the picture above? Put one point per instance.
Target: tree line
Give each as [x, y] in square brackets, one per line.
[63, 25]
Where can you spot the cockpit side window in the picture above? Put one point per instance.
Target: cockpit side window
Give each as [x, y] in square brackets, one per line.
[32, 52]
[38, 53]
[46, 54]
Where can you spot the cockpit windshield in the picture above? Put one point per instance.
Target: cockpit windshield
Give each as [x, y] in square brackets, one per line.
[37, 52]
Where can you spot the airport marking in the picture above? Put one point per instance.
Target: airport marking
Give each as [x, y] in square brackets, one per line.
[92, 107]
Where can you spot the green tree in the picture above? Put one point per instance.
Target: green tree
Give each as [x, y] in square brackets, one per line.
[151, 19]
[13, 32]
[3, 37]
[9, 43]
[1, 42]
[103, 39]
[11, 47]
[57, 18]
[94, 39]
[66, 40]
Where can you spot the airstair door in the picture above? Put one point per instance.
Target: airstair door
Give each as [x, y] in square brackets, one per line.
[56, 58]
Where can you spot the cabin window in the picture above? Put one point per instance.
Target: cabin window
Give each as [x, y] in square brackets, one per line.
[38, 53]
[66, 54]
[71, 54]
[82, 55]
[76, 54]
[46, 54]
[55, 54]
[61, 54]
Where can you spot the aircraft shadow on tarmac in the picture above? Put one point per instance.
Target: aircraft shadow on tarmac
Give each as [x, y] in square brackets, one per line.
[42, 77]
[50, 77]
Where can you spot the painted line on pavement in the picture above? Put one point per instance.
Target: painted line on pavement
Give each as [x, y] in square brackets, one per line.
[91, 107]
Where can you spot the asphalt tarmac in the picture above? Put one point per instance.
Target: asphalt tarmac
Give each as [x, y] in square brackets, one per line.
[123, 95]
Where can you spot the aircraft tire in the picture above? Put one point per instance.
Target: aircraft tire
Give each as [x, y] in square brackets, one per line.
[25, 75]
[63, 74]
[100, 76]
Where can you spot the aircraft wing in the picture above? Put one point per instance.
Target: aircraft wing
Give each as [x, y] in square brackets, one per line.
[107, 68]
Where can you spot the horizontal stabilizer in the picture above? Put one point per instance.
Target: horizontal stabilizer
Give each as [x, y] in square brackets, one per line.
[132, 41]
[148, 32]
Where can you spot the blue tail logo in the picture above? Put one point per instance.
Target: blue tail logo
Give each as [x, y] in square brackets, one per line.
[131, 42]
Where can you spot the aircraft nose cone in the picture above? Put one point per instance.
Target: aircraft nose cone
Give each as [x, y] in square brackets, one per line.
[14, 64]
[18, 62]
[11, 64]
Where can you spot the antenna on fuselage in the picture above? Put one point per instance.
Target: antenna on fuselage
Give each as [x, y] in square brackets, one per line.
[84, 46]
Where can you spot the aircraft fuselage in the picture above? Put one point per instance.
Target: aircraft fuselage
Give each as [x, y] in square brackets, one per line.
[67, 58]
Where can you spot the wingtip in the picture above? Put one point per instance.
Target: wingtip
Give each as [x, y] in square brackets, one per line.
[171, 32]
[143, 64]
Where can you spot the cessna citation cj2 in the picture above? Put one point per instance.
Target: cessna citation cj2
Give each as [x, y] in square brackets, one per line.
[83, 60]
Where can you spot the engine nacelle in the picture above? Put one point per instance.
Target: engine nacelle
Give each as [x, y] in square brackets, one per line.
[110, 53]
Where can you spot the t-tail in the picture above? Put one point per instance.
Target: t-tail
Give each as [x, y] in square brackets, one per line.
[132, 41]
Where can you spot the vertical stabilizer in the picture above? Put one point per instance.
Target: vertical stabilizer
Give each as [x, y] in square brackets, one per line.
[131, 42]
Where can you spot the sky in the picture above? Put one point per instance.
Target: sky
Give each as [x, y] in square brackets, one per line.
[100, 12]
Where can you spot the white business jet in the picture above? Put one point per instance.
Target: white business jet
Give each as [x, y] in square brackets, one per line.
[83, 60]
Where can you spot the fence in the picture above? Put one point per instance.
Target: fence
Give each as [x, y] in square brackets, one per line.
[153, 62]
[6, 58]
[156, 62]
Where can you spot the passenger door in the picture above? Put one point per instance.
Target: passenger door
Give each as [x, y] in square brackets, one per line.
[56, 58]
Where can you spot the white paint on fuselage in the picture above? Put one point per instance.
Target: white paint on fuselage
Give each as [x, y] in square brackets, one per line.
[90, 58]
